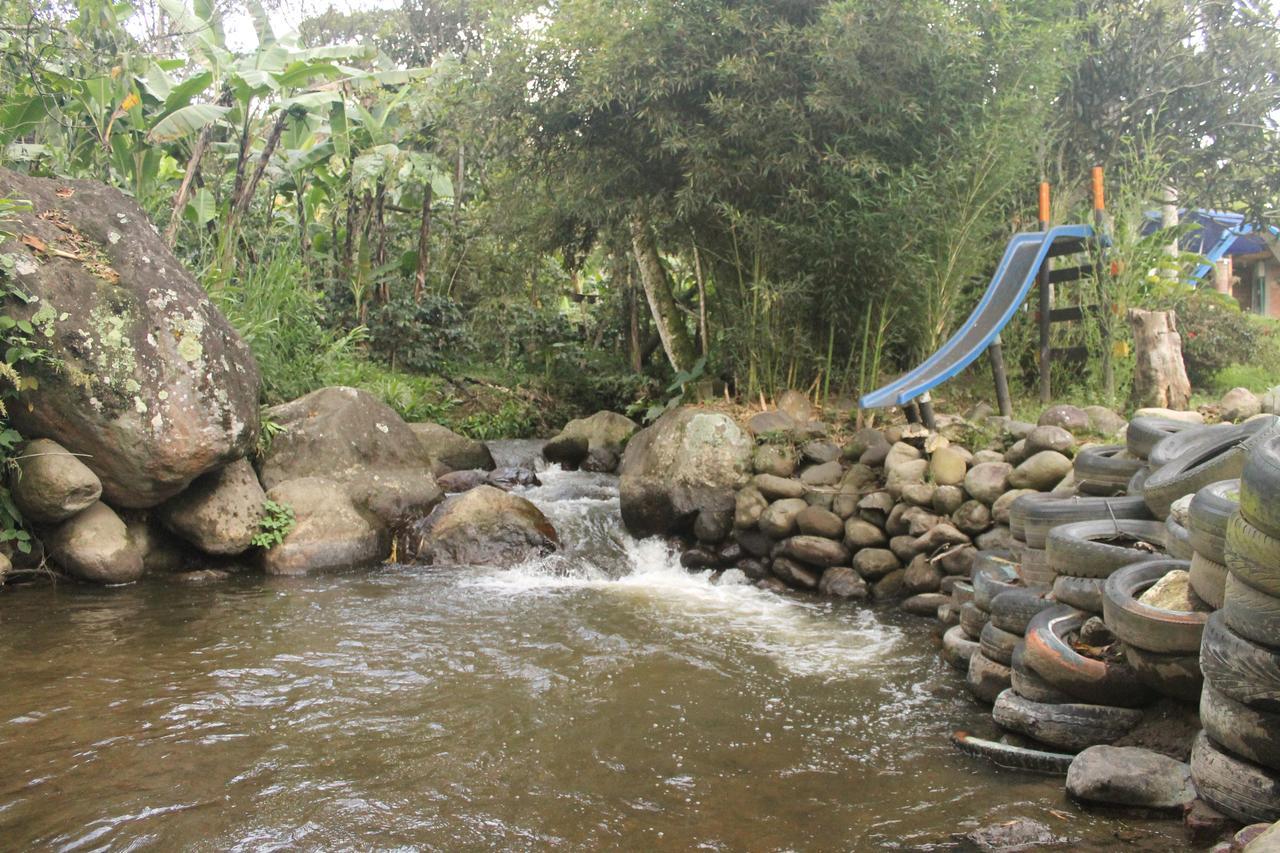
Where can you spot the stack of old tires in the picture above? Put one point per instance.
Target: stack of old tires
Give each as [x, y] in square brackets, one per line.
[1032, 517]
[1235, 762]
[1070, 686]
[1106, 469]
[988, 672]
[957, 645]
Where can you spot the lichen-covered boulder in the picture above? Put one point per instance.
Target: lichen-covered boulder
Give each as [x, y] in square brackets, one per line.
[482, 527]
[219, 512]
[603, 431]
[51, 484]
[153, 386]
[330, 531]
[690, 462]
[448, 451]
[95, 545]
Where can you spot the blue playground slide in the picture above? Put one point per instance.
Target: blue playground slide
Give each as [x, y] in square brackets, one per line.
[1009, 286]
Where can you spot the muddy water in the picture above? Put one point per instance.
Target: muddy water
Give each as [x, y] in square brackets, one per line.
[601, 699]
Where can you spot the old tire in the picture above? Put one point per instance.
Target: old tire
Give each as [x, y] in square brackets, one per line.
[990, 579]
[1175, 675]
[986, 678]
[1079, 549]
[1034, 568]
[1105, 469]
[1260, 488]
[1237, 788]
[1072, 726]
[958, 648]
[1014, 609]
[1253, 555]
[1013, 757]
[1246, 672]
[1170, 448]
[1096, 682]
[1177, 540]
[1040, 514]
[1081, 593]
[1031, 686]
[1251, 613]
[1152, 628]
[1220, 457]
[972, 619]
[1143, 434]
[1208, 580]
[1211, 508]
[998, 645]
[961, 593]
[1136, 484]
[1246, 732]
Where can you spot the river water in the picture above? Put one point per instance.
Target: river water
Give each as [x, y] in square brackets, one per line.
[603, 698]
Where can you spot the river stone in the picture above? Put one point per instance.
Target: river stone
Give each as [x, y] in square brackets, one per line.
[337, 433]
[94, 545]
[824, 474]
[874, 563]
[958, 560]
[794, 573]
[895, 525]
[461, 481]
[1130, 776]
[330, 532]
[844, 505]
[938, 537]
[901, 453]
[983, 456]
[396, 498]
[1173, 592]
[713, 526]
[948, 499]
[888, 587]
[50, 484]
[748, 505]
[861, 440]
[947, 467]
[1172, 414]
[796, 404]
[483, 527]
[875, 507]
[511, 476]
[904, 474]
[1049, 437]
[1042, 471]
[603, 431]
[860, 534]
[1239, 404]
[918, 494]
[987, 481]
[699, 558]
[777, 488]
[922, 575]
[972, 517]
[874, 456]
[162, 553]
[997, 538]
[815, 550]
[924, 604]
[773, 424]
[858, 479]
[689, 461]
[821, 498]
[776, 459]
[819, 451]
[779, 519]
[1103, 421]
[753, 567]
[1017, 453]
[919, 520]
[601, 460]
[1001, 508]
[843, 582]
[904, 547]
[153, 386]
[447, 451]
[1071, 418]
[816, 521]
[219, 512]
[755, 542]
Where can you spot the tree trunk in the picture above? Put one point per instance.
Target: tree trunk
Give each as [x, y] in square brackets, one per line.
[424, 244]
[184, 190]
[662, 305]
[1159, 378]
[244, 197]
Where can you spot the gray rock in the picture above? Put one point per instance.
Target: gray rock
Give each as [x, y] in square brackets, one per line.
[794, 573]
[796, 404]
[973, 517]
[777, 488]
[815, 550]
[901, 453]
[888, 587]
[904, 547]
[153, 387]
[482, 527]
[162, 553]
[690, 461]
[94, 545]
[1013, 835]
[773, 424]
[987, 481]
[447, 451]
[860, 534]
[958, 561]
[1130, 776]
[918, 494]
[1103, 421]
[779, 519]
[776, 459]
[843, 582]
[1049, 437]
[939, 537]
[713, 527]
[875, 563]
[863, 439]
[923, 603]
[825, 474]
[997, 538]
[50, 484]
[1239, 404]
[815, 521]
[748, 505]
[905, 474]
[947, 467]
[1017, 452]
[1071, 418]
[820, 450]
[1042, 471]
[858, 480]
[948, 499]
[461, 481]
[219, 512]
[983, 456]
[875, 508]
[919, 521]
[1000, 509]
[922, 576]
[1172, 414]
[874, 456]
[330, 532]
[757, 543]
[396, 498]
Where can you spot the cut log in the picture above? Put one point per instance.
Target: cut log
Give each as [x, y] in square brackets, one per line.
[1160, 377]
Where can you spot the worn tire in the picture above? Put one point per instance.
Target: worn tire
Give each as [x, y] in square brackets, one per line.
[1170, 447]
[1253, 555]
[998, 645]
[1014, 609]
[1251, 613]
[1220, 457]
[986, 678]
[1092, 681]
[1034, 568]
[957, 648]
[1152, 628]
[1013, 757]
[1260, 488]
[1031, 686]
[991, 579]
[1137, 482]
[972, 619]
[1246, 732]
[1103, 469]
[1143, 434]
[1072, 726]
[1075, 549]
[1081, 593]
[961, 594]
[1175, 675]
[1237, 788]
[1244, 671]
[1042, 514]
[1020, 507]
[1208, 580]
[1211, 508]
[1177, 540]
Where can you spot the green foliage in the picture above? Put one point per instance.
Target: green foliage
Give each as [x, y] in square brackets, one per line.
[276, 523]
[418, 335]
[677, 390]
[514, 419]
[1216, 334]
[1252, 376]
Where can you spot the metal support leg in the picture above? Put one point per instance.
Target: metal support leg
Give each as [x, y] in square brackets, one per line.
[926, 411]
[996, 351]
[912, 411]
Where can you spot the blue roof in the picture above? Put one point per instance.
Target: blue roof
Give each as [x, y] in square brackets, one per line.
[1212, 227]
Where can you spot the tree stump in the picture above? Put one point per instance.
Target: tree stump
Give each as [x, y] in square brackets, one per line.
[1160, 377]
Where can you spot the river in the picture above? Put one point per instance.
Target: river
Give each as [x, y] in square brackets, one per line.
[602, 698]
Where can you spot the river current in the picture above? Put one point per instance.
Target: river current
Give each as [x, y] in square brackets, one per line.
[603, 698]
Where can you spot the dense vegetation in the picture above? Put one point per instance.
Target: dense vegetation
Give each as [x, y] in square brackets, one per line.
[496, 213]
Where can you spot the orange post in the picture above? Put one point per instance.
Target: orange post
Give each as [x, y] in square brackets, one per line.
[1044, 203]
[1046, 302]
[1099, 197]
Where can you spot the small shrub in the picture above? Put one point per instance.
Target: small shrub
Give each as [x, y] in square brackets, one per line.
[417, 335]
[277, 522]
[1251, 376]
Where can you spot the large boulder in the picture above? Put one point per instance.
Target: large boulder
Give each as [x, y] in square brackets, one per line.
[219, 512]
[447, 451]
[95, 546]
[340, 434]
[1130, 776]
[690, 462]
[151, 383]
[330, 531]
[604, 432]
[51, 484]
[482, 527]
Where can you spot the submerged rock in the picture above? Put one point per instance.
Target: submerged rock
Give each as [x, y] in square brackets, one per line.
[483, 527]
[153, 387]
